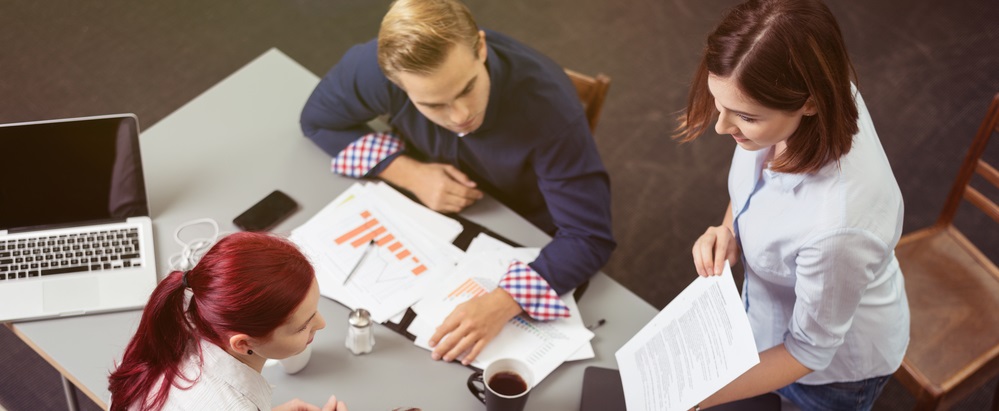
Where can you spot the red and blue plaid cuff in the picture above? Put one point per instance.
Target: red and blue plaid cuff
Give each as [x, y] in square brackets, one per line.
[365, 153]
[533, 293]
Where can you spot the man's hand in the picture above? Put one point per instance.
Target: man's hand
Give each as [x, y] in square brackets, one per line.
[441, 187]
[472, 325]
[298, 405]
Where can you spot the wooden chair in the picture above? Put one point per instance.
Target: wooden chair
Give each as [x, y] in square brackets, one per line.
[953, 291]
[592, 91]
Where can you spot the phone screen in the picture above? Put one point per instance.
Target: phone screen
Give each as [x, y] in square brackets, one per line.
[266, 213]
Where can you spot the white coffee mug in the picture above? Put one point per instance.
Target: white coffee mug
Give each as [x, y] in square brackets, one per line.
[297, 362]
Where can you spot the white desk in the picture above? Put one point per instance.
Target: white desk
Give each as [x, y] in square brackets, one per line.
[231, 146]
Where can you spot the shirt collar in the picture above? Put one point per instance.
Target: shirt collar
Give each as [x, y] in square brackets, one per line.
[785, 181]
[243, 379]
[742, 184]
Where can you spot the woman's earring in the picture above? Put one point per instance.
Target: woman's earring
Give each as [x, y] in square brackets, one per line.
[250, 352]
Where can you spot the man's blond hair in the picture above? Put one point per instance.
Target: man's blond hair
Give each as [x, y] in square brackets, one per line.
[416, 35]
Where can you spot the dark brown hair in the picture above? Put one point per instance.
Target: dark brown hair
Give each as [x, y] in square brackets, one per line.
[781, 53]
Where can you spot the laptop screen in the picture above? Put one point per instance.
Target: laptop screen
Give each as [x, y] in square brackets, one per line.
[67, 172]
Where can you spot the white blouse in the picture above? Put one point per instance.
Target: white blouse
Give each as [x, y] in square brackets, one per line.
[221, 383]
[818, 252]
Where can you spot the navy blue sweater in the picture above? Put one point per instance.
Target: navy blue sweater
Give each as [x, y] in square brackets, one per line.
[534, 151]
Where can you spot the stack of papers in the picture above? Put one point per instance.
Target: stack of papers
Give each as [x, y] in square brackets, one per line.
[542, 345]
[399, 254]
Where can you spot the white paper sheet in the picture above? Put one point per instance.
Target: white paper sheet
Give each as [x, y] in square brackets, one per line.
[585, 351]
[484, 242]
[406, 260]
[432, 223]
[695, 346]
[542, 345]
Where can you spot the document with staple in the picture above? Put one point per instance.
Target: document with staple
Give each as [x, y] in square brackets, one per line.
[408, 254]
[695, 346]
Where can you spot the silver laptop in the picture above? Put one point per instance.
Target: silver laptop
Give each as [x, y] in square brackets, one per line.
[75, 232]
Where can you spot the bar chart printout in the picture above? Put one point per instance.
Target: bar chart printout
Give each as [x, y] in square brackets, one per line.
[393, 275]
[466, 291]
[372, 230]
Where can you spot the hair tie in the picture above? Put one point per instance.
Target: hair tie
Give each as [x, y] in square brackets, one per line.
[183, 280]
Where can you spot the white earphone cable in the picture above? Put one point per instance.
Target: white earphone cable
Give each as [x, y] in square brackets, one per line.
[192, 251]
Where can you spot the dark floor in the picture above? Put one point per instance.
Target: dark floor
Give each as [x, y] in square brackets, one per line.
[927, 70]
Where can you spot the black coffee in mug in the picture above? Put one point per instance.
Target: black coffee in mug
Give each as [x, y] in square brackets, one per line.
[503, 386]
[507, 383]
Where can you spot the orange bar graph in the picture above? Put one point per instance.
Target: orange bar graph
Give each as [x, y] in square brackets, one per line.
[364, 239]
[353, 233]
[469, 287]
[372, 230]
[384, 240]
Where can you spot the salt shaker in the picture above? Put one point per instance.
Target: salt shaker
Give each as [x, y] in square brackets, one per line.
[360, 338]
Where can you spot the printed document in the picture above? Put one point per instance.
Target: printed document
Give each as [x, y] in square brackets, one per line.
[407, 255]
[695, 346]
[542, 345]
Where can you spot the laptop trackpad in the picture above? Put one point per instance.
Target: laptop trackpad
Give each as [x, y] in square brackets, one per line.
[70, 294]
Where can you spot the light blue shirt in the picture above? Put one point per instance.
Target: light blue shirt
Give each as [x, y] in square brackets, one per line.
[818, 252]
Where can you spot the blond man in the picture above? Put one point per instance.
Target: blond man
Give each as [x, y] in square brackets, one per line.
[472, 112]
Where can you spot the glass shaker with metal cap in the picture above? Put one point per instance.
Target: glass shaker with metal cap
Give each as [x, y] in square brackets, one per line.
[360, 338]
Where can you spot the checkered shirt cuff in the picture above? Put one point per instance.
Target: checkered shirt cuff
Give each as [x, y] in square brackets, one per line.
[533, 293]
[365, 153]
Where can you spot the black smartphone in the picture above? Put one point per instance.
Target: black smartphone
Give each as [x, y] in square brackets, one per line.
[266, 213]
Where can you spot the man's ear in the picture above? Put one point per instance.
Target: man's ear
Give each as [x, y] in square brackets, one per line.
[481, 52]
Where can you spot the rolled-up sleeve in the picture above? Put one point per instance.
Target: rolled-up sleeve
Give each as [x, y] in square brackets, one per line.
[533, 293]
[576, 188]
[833, 271]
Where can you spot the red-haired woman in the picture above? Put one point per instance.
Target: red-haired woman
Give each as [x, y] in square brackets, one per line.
[815, 211]
[206, 333]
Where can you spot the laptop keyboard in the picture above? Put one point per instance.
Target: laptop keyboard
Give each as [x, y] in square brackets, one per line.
[69, 253]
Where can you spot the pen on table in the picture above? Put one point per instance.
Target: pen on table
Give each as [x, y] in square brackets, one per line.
[596, 325]
[367, 250]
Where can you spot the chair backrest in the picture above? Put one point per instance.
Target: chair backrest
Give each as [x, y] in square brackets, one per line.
[592, 91]
[973, 164]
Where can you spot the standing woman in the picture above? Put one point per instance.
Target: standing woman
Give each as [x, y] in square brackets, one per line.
[206, 333]
[815, 211]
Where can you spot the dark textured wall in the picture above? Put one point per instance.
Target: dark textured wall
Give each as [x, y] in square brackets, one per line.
[927, 70]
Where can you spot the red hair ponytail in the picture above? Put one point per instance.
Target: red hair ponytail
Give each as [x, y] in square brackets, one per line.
[248, 283]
